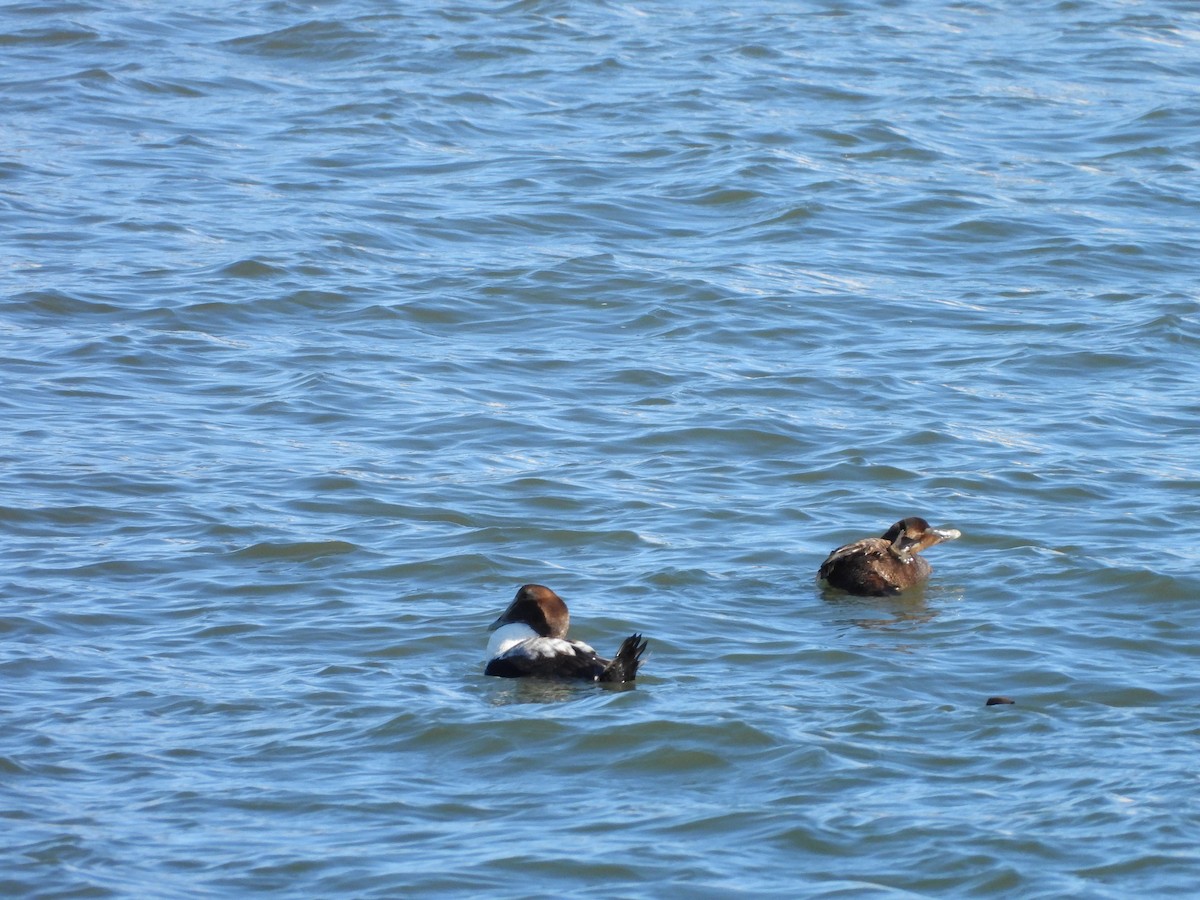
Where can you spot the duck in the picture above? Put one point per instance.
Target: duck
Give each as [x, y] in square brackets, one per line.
[530, 639]
[878, 566]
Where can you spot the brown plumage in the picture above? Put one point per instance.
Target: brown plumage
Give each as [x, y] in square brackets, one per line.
[887, 564]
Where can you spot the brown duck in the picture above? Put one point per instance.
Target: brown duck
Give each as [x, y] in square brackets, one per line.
[889, 564]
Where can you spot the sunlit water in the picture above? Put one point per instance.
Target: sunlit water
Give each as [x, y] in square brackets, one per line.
[327, 325]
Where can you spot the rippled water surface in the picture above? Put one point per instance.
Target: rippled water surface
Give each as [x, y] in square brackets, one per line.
[326, 325]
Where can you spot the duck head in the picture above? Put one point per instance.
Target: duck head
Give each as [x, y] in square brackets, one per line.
[538, 607]
[912, 535]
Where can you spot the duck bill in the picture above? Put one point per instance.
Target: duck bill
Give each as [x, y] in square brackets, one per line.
[943, 534]
[936, 536]
[503, 619]
[906, 547]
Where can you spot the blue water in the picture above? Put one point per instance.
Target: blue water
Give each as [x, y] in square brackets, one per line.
[327, 325]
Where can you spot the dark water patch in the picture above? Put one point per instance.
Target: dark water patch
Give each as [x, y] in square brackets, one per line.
[56, 303]
[166, 88]
[223, 631]
[316, 39]
[26, 625]
[252, 268]
[301, 550]
[64, 35]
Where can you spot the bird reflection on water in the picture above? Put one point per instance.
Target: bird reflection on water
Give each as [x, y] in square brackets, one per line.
[894, 613]
[547, 690]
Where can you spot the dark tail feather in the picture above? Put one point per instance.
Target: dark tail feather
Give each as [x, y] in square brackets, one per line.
[624, 665]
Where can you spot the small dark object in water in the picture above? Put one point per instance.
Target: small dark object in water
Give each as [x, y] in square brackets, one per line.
[999, 701]
[875, 567]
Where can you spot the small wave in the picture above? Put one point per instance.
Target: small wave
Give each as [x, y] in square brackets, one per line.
[308, 40]
[300, 550]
